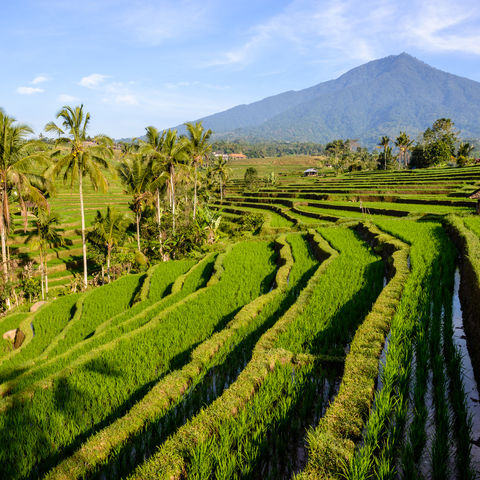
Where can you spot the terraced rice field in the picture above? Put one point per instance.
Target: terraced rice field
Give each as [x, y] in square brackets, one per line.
[341, 341]
[64, 262]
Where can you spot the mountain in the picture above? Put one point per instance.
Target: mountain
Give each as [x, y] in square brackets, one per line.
[378, 98]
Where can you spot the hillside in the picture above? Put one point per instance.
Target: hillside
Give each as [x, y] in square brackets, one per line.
[380, 97]
[279, 351]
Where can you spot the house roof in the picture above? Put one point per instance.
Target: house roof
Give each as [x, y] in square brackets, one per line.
[475, 195]
[310, 170]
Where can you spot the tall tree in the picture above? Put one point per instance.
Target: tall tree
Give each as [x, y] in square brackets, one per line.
[199, 150]
[46, 235]
[465, 149]
[404, 144]
[108, 231]
[442, 130]
[439, 142]
[174, 153]
[152, 148]
[384, 141]
[136, 174]
[18, 182]
[221, 171]
[79, 158]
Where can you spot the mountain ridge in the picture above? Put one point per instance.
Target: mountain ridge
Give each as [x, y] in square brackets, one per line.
[380, 97]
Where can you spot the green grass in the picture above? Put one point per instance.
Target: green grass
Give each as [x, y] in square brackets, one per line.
[47, 323]
[343, 295]
[120, 324]
[107, 383]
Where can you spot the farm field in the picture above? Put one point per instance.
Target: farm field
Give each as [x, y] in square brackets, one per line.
[65, 261]
[339, 340]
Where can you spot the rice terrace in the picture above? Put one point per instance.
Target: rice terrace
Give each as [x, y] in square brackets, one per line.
[327, 327]
[288, 288]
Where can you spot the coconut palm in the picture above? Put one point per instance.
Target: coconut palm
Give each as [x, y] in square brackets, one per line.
[221, 170]
[174, 153]
[384, 141]
[108, 231]
[136, 175]
[199, 149]
[127, 148]
[79, 158]
[404, 143]
[152, 148]
[465, 149]
[18, 182]
[45, 236]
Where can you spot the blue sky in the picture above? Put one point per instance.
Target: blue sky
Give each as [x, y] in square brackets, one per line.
[138, 62]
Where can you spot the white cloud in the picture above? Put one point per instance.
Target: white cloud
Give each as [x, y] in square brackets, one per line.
[347, 31]
[39, 79]
[128, 99]
[28, 90]
[308, 26]
[92, 81]
[118, 93]
[63, 97]
[446, 27]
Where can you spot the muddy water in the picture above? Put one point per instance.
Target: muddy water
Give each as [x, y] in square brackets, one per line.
[468, 379]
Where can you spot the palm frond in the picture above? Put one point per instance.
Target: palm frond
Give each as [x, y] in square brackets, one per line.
[52, 127]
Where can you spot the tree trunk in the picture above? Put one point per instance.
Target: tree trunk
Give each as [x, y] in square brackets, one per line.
[3, 235]
[84, 242]
[172, 188]
[195, 194]
[159, 219]
[221, 190]
[109, 254]
[42, 276]
[46, 278]
[138, 216]
[4, 252]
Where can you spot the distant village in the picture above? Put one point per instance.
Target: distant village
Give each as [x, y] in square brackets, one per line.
[227, 156]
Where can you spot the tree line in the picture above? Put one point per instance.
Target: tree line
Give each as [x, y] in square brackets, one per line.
[438, 144]
[267, 149]
[170, 180]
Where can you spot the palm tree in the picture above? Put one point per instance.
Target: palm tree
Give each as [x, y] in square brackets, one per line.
[465, 149]
[108, 231]
[199, 149]
[404, 143]
[221, 170]
[384, 141]
[136, 175]
[46, 236]
[152, 150]
[79, 158]
[127, 148]
[18, 183]
[174, 153]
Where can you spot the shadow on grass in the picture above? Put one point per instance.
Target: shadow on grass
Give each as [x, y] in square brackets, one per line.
[333, 339]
